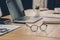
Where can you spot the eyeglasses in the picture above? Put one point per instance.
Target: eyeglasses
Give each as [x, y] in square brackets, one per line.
[34, 28]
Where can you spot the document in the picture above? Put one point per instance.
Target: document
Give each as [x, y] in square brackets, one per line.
[7, 28]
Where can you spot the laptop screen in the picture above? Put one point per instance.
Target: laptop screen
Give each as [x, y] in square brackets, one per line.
[15, 8]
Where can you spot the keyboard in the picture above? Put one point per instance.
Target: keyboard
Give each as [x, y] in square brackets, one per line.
[51, 22]
[28, 19]
[4, 29]
[56, 13]
[24, 18]
[47, 15]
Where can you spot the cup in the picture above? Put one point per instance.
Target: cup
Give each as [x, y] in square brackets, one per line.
[57, 10]
[30, 12]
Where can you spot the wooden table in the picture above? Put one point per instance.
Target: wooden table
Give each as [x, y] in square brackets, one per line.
[24, 33]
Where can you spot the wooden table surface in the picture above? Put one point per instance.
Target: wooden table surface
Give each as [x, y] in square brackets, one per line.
[24, 33]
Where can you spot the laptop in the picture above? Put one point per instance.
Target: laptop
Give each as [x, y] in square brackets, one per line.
[17, 12]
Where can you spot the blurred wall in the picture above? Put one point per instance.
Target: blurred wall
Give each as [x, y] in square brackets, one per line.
[4, 8]
[53, 4]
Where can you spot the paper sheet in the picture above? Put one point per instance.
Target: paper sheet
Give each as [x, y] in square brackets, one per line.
[9, 28]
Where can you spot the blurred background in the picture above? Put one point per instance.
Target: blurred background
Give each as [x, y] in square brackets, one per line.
[29, 4]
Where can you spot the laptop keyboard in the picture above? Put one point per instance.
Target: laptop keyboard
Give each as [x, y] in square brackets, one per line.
[28, 19]
[24, 18]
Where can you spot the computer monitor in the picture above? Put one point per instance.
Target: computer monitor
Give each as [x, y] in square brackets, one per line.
[15, 8]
